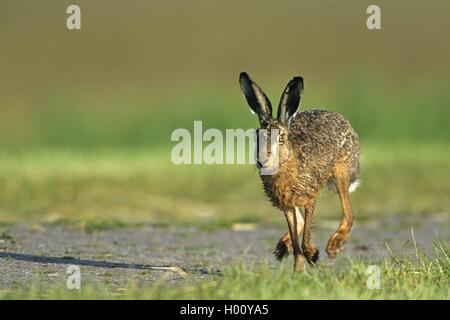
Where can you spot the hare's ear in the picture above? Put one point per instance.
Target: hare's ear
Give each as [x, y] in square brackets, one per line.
[256, 98]
[290, 99]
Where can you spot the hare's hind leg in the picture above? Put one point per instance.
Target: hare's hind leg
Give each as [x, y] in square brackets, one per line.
[292, 218]
[284, 245]
[337, 240]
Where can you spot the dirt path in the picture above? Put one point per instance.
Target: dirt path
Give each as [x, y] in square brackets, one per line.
[43, 253]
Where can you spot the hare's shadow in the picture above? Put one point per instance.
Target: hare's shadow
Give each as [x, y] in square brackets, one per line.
[97, 263]
[71, 260]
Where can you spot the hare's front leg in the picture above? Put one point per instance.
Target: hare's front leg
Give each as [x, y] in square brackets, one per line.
[292, 216]
[309, 249]
[284, 245]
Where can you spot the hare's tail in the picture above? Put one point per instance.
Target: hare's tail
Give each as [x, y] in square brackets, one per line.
[355, 184]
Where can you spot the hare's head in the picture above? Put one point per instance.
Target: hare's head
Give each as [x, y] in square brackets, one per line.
[272, 138]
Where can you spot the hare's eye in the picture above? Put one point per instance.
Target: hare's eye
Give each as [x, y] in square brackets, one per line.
[281, 138]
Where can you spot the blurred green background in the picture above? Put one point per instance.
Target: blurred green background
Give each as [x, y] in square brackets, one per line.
[86, 116]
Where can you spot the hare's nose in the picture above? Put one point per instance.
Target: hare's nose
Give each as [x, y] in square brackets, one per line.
[261, 164]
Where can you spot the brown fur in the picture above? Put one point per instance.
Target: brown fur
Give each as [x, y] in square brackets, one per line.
[321, 149]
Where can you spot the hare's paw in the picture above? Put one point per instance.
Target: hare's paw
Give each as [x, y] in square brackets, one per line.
[336, 244]
[311, 254]
[282, 249]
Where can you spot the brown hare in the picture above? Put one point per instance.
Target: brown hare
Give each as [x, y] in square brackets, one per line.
[314, 148]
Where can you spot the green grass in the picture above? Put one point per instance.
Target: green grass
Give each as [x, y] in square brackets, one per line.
[106, 163]
[406, 277]
[118, 188]
[380, 115]
[92, 160]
